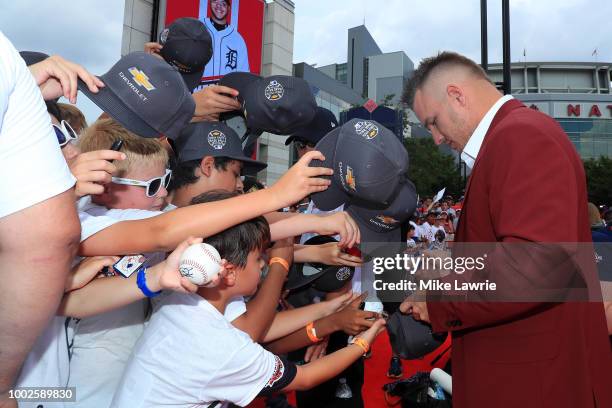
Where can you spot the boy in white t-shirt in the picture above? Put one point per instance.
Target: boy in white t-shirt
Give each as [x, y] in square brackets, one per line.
[190, 354]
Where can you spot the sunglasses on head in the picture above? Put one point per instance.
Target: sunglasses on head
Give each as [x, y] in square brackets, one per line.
[301, 144]
[152, 186]
[64, 133]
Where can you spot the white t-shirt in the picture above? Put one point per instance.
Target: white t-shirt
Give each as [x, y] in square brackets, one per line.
[191, 355]
[103, 343]
[31, 161]
[48, 364]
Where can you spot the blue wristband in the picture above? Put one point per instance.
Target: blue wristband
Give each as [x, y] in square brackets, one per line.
[141, 281]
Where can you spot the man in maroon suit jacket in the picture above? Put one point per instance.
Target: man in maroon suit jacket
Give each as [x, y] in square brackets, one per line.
[527, 186]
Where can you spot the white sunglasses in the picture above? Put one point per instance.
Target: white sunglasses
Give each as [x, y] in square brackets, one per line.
[64, 133]
[152, 186]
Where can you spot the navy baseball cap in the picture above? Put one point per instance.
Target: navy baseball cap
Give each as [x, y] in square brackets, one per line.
[214, 139]
[187, 46]
[383, 225]
[370, 165]
[146, 95]
[321, 277]
[323, 123]
[278, 104]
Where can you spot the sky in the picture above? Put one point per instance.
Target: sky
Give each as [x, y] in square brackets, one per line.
[549, 30]
[89, 31]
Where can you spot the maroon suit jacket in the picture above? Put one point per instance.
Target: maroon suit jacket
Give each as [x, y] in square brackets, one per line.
[527, 184]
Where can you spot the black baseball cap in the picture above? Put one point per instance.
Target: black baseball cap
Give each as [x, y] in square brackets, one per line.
[323, 122]
[146, 95]
[278, 104]
[370, 165]
[383, 225]
[187, 46]
[215, 139]
[321, 277]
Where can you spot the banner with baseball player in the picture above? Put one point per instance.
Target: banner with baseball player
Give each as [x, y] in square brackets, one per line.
[236, 28]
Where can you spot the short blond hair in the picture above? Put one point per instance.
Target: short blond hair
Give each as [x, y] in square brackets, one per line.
[73, 116]
[139, 151]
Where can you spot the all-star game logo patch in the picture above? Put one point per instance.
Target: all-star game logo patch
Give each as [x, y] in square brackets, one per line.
[343, 273]
[274, 91]
[163, 37]
[366, 129]
[216, 139]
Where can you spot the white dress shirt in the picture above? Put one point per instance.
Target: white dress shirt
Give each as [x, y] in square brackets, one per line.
[471, 149]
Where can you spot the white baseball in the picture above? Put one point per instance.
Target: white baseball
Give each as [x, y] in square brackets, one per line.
[200, 263]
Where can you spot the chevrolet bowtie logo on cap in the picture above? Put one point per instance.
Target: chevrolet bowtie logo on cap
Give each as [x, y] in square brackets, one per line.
[141, 78]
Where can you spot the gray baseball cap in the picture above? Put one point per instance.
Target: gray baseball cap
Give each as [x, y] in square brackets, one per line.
[146, 95]
[370, 165]
[215, 139]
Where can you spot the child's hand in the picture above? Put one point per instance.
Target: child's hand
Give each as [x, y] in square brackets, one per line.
[300, 181]
[316, 351]
[370, 334]
[94, 169]
[332, 254]
[283, 248]
[169, 277]
[87, 270]
[336, 304]
[339, 223]
[153, 48]
[353, 320]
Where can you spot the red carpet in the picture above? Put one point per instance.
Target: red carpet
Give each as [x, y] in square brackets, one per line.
[376, 371]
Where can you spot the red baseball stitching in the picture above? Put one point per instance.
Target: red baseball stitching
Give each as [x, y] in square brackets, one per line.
[210, 254]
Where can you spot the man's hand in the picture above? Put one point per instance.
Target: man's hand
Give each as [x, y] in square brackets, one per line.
[213, 100]
[418, 309]
[59, 77]
[87, 270]
[94, 169]
[300, 181]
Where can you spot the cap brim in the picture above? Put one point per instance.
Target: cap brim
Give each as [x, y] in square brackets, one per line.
[333, 196]
[193, 79]
[238, 81]
[289, 140]
[297, 279]
[110, 103]
[249, 164]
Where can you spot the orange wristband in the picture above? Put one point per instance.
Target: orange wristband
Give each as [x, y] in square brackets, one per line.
[363, 343]
[312, 333]
[281, 261]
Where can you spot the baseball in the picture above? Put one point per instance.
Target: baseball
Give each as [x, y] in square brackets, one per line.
[200, 263]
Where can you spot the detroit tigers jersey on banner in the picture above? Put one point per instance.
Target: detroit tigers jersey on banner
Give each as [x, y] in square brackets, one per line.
[229, 51]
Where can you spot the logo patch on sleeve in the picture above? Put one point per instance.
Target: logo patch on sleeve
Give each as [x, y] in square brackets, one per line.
[279, 370]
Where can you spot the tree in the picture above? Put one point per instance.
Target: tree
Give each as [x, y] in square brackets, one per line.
[599, 180]
[386, 100]
[431, 170]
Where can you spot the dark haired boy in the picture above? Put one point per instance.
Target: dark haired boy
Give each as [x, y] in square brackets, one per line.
[190, 354]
